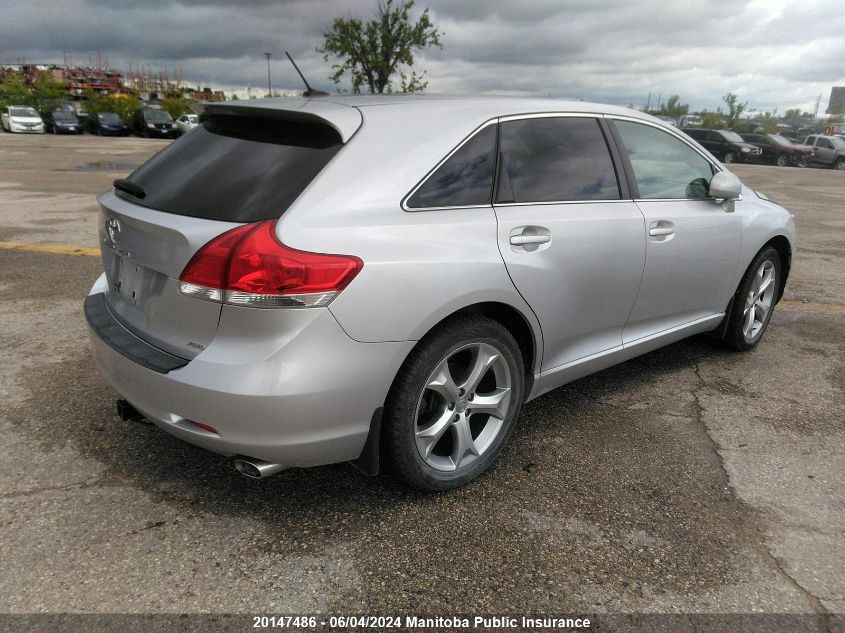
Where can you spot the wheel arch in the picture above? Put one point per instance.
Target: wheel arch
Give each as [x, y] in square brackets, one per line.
[527, 335]
[515, 322]
[782, 245]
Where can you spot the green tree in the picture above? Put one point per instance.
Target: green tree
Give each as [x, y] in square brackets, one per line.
[373, 52]
[13, 91]
[45, 88]
[735, 109]
[177, 106]
[674, 108]
[712, 120]
[768, 122]
[122, 105]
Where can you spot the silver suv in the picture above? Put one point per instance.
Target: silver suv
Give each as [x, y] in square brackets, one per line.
[387, 280]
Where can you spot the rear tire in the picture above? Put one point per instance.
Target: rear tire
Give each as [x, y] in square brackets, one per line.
[432, 439]
[840, 164]
[754, 301]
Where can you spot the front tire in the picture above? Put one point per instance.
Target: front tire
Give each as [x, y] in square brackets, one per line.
[730, 157]
[454, 403]
[782, 160]
[754, 301]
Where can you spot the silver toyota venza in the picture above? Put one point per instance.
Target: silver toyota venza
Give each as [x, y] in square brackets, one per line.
[387, 280]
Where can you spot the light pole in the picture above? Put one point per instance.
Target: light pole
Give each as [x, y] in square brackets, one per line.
[269, 88]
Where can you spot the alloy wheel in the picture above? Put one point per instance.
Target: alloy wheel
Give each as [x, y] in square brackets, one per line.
[730, 157]
[462, 408]
[759, 301]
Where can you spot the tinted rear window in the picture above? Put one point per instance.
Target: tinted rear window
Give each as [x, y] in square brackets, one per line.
[555, 159]
[465, 179]
[235, 169]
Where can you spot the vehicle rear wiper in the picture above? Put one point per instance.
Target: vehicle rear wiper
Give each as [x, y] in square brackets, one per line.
[129, 187]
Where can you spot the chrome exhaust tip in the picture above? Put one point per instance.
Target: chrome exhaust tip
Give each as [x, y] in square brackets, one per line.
[257, 468]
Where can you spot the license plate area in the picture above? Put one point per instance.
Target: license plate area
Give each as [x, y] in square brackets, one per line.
[128, 280]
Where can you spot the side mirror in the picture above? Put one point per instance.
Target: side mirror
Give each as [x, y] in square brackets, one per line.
[726, 186]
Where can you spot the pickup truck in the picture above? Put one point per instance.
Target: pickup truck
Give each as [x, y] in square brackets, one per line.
[827, 150]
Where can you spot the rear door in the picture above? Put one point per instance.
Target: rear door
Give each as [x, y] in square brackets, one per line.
[572, 241]
[693, 243]
[232, 170]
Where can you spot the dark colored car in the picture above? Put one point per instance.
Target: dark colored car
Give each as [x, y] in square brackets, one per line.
[725, 145]
[62, 122]
[107, 124]
[780, 150]
[154, 122]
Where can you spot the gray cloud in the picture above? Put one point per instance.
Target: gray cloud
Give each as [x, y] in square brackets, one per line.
[773, 52]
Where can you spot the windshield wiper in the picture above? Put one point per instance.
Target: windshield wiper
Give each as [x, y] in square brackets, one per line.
[129, 187]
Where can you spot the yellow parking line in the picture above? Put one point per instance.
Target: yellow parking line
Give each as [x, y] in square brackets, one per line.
[55, 249]
[823, 308]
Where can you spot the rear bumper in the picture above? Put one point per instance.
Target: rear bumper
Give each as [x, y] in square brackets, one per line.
[286, 386]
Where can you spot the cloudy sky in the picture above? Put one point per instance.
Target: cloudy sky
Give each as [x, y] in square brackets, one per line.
[774, 53]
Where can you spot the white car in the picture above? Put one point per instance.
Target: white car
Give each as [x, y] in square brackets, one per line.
[21, 119]
[187, 122]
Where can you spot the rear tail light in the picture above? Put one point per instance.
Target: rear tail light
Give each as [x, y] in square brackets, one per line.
[248, 266]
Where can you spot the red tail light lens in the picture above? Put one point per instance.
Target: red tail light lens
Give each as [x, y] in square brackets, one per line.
[249, 266]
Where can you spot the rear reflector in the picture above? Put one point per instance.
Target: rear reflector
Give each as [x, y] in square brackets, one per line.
[204, 427]
[248, 266]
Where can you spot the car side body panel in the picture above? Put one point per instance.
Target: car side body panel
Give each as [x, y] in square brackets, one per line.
[299, 387]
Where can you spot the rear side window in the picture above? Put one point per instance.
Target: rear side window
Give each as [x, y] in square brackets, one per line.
[664, 166]
[555, 159]
[235, 169]
[465, 179]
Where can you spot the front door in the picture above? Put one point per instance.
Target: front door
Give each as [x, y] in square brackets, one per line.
[693, 242]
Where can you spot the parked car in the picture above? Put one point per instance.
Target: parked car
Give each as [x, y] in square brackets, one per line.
[827, 150]
[22, 119]
[62, 122]
[780, 150]
[690, 120]
[386, 281]
[154, 122]
[107, 124]
[668, 120]
[724, 144]
[187, 122]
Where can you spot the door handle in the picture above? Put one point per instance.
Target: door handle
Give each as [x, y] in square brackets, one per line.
[656, 232]
[521, 240]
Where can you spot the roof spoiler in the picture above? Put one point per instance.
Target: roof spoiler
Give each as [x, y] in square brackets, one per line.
[346, 120]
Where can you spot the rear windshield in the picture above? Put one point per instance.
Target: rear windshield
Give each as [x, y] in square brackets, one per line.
[235, 169]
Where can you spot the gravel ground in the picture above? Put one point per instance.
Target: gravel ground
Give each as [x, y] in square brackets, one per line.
[691, 480]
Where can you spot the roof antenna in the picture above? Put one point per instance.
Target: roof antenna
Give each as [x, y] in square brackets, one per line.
[310, 92]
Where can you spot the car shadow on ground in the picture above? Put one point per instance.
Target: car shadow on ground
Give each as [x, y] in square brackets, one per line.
[590, 498]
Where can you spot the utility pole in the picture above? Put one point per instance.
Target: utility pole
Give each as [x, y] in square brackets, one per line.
[269, 87]
[818, 103]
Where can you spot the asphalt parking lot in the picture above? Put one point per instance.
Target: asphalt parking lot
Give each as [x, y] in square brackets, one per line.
[689, 480]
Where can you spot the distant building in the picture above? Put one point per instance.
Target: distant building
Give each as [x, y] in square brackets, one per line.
[207, 94]
[837, 101]
[102, 81]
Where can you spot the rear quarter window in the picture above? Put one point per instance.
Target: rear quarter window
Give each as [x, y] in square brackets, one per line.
[464, 179]
[235, 169]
